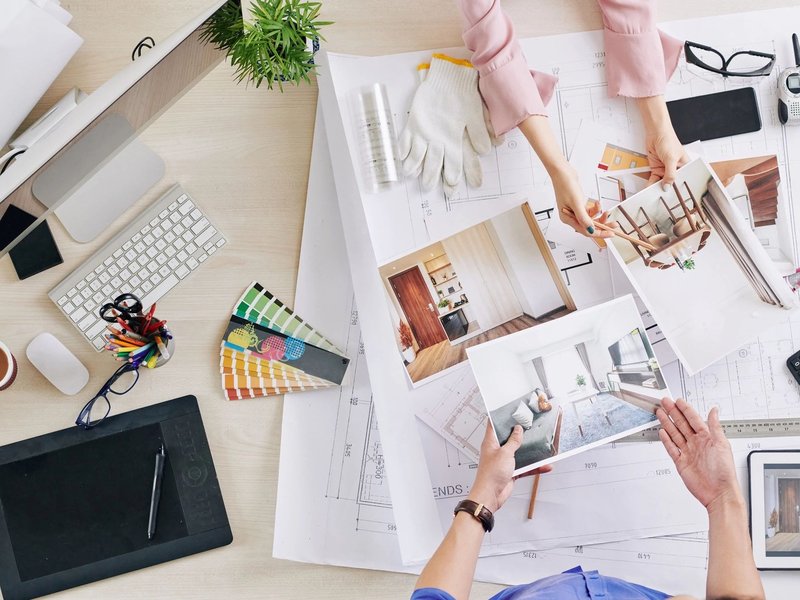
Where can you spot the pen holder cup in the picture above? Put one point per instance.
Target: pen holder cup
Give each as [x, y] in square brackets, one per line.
[171, 349]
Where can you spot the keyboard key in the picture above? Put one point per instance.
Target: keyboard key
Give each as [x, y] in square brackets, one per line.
[179, 243]
[108, 261]
[164, 271]
[113, 270]
[86, 293]
[69, 308]
[147, 286]
[122, 262]
[78, 314]
[155, 279]
[117, 253]
[125, 274]
[142, 260]
[99, 297]
[140, 247]
[182, 271]
[87, 322]
[161, 244]
[105, 277]
[169, 237]
[182, 256]
[199, 226]
[157, 292]
[71, 293]
[220, 243]
[170, 252]
[96, 329]
[62, 301]
[172, 206]
[130, 255]
[136, 238]
[146, 229]
[205, 236]
[99, 342]
[98, 269]
[116, 282]
[127, 245]
[196, 214]
[187, 237]
[152, 251]
[187, 221]
[107, 291]
[173, 263]
[192, 264]
[212, 250]
[202, 257]
[80, 286]
[183, 198]
[158, 232]
[163, 214]
[135, 281]
[178, 229]
[154, 222]
[125, 288]
[174, 217]
[149, 239]
[91, 276]
[161, 259]
[143, 273]
[186, 207]
[191, 248]
[90, 305]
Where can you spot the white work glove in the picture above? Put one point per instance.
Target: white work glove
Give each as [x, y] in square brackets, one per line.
[446, 131]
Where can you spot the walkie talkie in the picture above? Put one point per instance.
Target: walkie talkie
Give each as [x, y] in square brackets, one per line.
[789, 89]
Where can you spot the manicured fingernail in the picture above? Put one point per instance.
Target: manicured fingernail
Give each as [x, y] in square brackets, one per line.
[590, 229]
[665, 186]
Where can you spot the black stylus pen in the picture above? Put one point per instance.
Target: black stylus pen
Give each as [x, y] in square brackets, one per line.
[158, 477]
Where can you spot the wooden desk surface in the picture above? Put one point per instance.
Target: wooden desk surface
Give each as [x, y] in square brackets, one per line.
[243, 154]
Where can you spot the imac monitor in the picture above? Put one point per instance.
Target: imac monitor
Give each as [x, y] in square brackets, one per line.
[90, 167]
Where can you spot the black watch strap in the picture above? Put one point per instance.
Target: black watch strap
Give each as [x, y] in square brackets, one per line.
[479, 511]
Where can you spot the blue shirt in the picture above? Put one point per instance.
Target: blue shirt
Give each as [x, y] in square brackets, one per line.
[575, 584]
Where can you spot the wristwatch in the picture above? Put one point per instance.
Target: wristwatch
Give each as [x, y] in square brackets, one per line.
[479, 511]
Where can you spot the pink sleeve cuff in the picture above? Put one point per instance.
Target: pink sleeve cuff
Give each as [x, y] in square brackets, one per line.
[511, 91]
[640, 64]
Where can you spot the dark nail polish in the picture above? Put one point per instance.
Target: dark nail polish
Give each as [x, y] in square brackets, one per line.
[590, 229]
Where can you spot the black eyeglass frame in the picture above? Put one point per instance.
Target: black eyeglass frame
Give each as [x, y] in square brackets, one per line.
[85, 414]
[693, 59]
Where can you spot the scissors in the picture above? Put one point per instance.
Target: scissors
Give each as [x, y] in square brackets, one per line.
[126, 310]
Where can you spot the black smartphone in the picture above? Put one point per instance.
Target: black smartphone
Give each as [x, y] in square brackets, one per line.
[715, 116]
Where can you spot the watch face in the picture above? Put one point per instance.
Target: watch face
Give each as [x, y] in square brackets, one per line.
[793, 83]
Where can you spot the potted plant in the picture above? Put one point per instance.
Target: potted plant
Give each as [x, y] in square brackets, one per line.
[444, 305]
[406, 342]
[688, 264]
[581, 381]
[276, 45]
[773, 523]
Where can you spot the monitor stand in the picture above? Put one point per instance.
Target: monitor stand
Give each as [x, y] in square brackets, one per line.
[91, 190]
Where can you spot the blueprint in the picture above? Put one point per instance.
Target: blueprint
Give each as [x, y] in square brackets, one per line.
[333, 504]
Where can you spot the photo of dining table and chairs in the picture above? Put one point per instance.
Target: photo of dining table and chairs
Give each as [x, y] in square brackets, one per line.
[698, 266]
[587, 379]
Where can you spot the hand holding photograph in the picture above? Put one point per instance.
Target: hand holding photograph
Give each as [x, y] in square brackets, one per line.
[697, 265]
[589, 378]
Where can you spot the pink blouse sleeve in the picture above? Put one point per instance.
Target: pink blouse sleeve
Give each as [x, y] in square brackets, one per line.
[640, 59]
[512, 92]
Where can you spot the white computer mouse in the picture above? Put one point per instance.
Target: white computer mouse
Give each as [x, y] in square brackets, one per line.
[60, 366]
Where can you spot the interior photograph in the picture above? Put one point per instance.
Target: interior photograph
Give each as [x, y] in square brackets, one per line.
[572, 384]
[698, 265]
[490, 280]
[782, 508]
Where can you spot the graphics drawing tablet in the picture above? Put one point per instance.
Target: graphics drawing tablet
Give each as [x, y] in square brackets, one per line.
[74, 504]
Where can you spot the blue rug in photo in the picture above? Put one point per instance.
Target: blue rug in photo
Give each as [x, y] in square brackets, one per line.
[623, 416]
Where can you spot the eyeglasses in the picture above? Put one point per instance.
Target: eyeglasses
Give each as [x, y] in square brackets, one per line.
[98, 408]
[745, 63]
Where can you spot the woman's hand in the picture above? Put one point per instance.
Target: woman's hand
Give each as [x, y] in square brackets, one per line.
[700, 451]
[664, 151]
[495, 481]
[573, 209]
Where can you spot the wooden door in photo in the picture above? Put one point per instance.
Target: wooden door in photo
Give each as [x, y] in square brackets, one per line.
[788, 500]
[418, 305]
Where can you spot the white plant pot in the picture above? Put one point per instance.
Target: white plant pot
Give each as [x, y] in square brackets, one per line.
[770, 532]
[409, 355]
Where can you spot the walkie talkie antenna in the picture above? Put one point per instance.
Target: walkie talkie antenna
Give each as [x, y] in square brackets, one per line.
[796, 44]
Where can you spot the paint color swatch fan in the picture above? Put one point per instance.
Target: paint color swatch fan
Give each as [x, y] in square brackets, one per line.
[268, 350]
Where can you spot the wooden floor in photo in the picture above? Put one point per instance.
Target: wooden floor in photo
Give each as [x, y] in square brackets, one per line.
[445, 354]
[784, 542]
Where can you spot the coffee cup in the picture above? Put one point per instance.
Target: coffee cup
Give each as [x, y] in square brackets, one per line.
[8, 367]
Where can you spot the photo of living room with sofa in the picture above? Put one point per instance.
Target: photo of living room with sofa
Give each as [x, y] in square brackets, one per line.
[589, 378]
[487, 281]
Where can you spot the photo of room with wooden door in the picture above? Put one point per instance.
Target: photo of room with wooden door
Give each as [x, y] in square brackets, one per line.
[487, 281]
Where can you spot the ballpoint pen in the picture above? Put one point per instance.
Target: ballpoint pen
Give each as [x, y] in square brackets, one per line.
[158, 477]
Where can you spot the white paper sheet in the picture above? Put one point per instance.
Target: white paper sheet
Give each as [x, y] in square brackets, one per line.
[35, 46]
[334, 510]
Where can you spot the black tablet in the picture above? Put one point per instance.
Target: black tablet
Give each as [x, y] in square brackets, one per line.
[75, 504]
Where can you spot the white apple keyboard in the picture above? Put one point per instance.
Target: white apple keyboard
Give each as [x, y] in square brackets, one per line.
[60, 366]
[165, 244]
